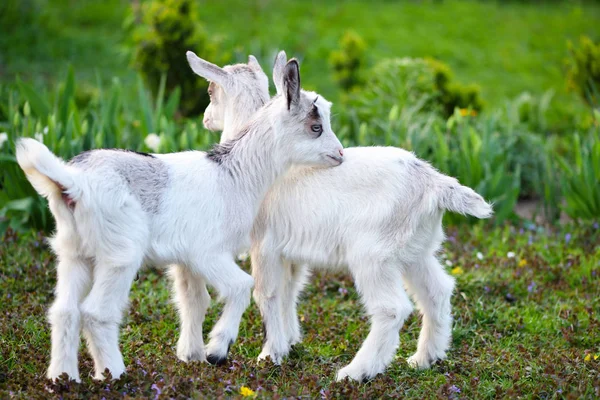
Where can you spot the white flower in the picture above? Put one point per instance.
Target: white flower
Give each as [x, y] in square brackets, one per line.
[3, 138]
[449, 263]
[479, 255]
[45, 130]
[243, 256]
[39, 137]
[152, 141]
[510, 254]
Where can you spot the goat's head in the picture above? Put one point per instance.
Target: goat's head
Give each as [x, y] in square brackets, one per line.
[236, 92]
[304, 117]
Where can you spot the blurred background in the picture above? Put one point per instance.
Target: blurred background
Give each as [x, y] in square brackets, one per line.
[503, 95]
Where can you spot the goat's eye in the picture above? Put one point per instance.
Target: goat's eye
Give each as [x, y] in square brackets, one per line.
[317, 129]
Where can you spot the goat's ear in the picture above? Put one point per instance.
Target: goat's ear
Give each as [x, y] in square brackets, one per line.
[291, 82]
[278, 68]
[253, 63]
[208, 71]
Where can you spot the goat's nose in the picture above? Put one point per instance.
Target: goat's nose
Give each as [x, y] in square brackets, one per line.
[341, 153]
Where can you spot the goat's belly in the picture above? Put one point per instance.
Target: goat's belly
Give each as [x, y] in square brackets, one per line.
[332, 257]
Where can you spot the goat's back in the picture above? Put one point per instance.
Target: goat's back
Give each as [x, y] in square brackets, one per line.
[376, 200]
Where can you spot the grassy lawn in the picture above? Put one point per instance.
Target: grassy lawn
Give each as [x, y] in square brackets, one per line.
[524, 326]
[506, 47]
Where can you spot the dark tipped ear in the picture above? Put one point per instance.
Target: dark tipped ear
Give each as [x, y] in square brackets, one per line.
[291, 83]
[278, 68]
[208, 71]
[253, 63]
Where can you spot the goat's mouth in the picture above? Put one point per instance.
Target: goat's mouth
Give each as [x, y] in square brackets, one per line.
[337, 160]
[210, 125]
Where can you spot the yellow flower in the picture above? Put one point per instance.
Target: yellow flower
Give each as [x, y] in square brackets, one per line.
[465, 111]
[588, 357]
[457, 271]
[247, 392]
[523, 262]
[596, 357]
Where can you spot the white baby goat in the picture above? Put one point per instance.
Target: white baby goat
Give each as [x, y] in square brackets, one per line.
[117, 211]
[379, 215]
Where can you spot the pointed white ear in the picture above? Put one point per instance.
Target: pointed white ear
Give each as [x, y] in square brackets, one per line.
[278, 68]
[291, 83]
[208, 71]
[253, 62]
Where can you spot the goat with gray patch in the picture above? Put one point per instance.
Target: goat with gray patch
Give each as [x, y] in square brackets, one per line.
[379, 215]
[117, 211]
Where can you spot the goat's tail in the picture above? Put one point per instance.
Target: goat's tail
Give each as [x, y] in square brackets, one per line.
[463, 200]
[47, 173]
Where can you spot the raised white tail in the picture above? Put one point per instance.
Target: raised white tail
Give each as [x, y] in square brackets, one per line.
[47, 173]
[463, 200]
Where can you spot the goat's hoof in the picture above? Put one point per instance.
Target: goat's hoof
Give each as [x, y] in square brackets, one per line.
[264, 357]
[74, 376]
[276, 357]
[216, 360]
[193, 356]
[419, 361]
[356, 374]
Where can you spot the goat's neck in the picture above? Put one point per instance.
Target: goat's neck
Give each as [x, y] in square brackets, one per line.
[234, 122]
[240, 112]
[254, 163]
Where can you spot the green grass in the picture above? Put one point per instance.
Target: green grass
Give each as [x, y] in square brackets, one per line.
[523, 327]
[506, 47]
[86, 34]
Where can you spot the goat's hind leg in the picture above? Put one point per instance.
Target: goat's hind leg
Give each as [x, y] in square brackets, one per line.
[233, 285]
[74, 279]
[192, 301]
[102, 312]
[388, 306]
[431, 287]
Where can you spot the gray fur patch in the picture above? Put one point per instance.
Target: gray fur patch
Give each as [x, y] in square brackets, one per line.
[220, 151]
[146, 175]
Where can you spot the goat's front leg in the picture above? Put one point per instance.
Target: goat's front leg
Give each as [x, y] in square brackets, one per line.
[102, 311]
[74, 280]
[192, 300]
[296, 277]
[388, 306]
[431, 288]
[268, 273]
[233, 286]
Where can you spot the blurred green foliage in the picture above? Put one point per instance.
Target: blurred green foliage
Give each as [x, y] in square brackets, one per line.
[348, 62]
[583, 75]
[169, 29]
[67, 129]
[452, 94]
[581, 179]
[408, 84]
[519, 146]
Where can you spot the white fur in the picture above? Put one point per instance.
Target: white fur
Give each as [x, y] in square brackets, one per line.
[117, 211]
[378, 216]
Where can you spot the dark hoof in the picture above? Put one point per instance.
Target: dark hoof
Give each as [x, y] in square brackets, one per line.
[216, 360]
